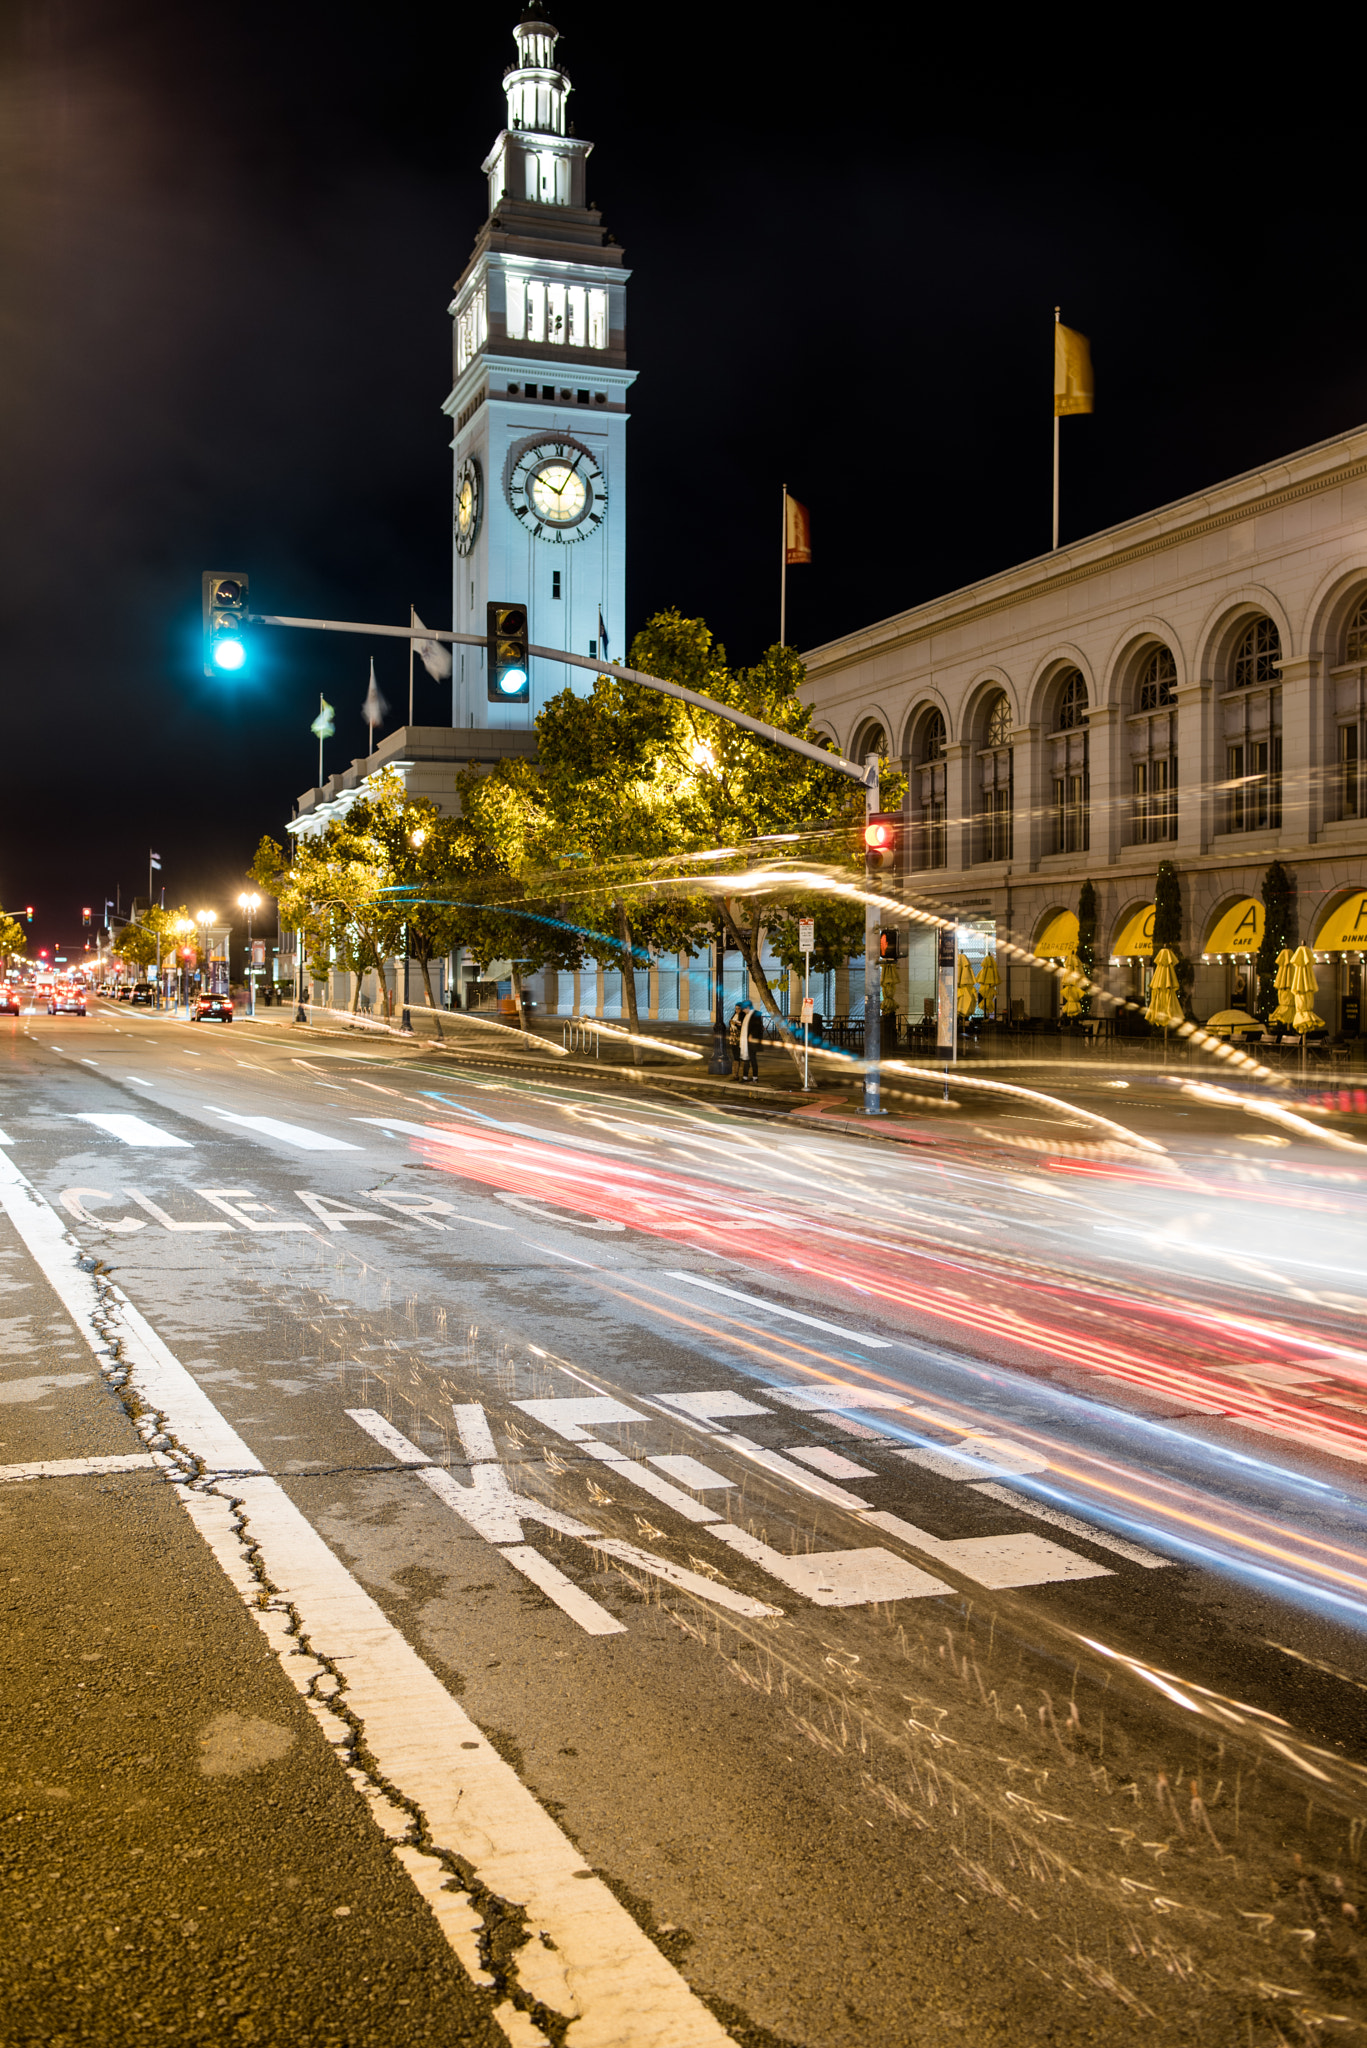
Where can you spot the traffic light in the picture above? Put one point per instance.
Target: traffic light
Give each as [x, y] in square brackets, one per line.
[887, 944]
[510, 673]
[881, 834]
[28, 913]
[85, 917]
[225, 621]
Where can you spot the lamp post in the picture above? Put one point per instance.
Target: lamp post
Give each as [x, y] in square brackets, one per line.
[250, 903]
[204, 919]
[416, 839]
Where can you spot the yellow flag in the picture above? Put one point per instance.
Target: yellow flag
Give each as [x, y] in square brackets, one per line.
[1073, 386]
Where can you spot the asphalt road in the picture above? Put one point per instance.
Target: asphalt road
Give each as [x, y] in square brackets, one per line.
[498, 1552]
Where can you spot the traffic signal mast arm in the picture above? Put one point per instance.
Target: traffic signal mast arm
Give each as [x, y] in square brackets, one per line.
[864, 776]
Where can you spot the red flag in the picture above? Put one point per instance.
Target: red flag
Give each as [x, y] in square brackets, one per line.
[797, 531]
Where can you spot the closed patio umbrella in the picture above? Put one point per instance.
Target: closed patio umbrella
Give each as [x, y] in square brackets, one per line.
[1286, 1008]
[1070, 996]
[1165, 1003]
[967, 988]
[1303, 987]
[987, 985]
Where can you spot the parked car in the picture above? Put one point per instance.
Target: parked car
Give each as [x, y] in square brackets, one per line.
[124, 992]
[66, 1002]
[144, 992]
[212, 1009]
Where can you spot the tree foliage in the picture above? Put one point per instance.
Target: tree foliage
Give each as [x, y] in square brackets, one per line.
[1280, 926]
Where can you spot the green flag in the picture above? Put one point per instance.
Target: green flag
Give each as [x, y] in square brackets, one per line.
[324, 725]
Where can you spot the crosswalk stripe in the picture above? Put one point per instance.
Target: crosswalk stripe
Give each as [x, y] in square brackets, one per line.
[131, 1130]
[288, 1134]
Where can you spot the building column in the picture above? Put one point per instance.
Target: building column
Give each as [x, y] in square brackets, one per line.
[1199, 769]
[1107, 782]
[1304, 753]
[960, 807]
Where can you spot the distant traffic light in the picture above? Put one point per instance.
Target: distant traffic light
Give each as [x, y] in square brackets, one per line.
[225, 621]
[881, 834]
[85, 917]
[509, 668]
[28, 912]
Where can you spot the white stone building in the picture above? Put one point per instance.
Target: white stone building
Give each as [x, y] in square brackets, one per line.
[1191, 684]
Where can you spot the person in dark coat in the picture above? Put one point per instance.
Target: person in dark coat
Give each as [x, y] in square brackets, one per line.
[752, 1035]
[733, 1042]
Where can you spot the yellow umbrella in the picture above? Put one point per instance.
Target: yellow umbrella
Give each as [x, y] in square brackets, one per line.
[967, 993]
[1165, 1005]
[987, 985]
[1285, 1009]
[1070, 997]
[1303, 987]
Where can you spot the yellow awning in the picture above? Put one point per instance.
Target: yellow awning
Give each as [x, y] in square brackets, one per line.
[1136, 940]
[1059, 937]
[1345, 929]
[1240, 930]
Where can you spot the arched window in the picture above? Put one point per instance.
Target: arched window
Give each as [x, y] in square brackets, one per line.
[1158, 680]
[1355, 641]
[1072, 701]
[872, 740]
[1258, 650]
[931, 848]
[1072, 785]
[994, 780]
[1153, 749]
[1253, 731]
[1350, 710]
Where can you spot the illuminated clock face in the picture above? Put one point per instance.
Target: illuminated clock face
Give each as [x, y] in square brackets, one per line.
[467, 506]
[558, 491]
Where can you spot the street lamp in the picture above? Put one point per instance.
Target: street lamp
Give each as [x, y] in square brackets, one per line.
[416, 839]
[249, 903]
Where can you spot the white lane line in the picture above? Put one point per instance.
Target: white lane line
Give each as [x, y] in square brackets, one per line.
[131, 1130]
[77, 1468]
[797, 1475]
[567, 1417]
[793, 1315]
[831, 1463]
[822, 1395]
[288, 1134]
[978, 1457]
[1025, 1504]
[836, 1578]
[476, 1437]
[693, 1473]
[5, 1139]
[995, 1561]
[626, 1469]
[137, 1080]
[571, 1599]
[702, 1407]
[594, 1968]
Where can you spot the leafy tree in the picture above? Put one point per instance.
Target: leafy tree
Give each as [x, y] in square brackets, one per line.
[12, 939]
[154, 935]
[1086, 937]
[1167, 927]
[1280, 927]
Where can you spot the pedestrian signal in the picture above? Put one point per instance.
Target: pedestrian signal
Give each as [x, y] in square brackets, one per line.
[880, 842]
[225, 621]
[510, 674]
[887, 945]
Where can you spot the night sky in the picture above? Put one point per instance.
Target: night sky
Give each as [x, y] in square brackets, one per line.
[227, 242]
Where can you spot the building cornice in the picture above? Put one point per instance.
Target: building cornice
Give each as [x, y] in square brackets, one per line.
[1326, 466]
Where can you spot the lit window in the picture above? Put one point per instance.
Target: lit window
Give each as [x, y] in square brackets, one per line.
[472, 327]
[517, 308]
[1157, 680]
[576, 300]
[999, 722]
[1256, 656]
[598, 319]
[995, 766]
[555, 312]
[536, 311]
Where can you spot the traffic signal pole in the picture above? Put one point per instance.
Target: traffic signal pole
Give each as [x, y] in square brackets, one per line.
[614, 669]
[873, 963]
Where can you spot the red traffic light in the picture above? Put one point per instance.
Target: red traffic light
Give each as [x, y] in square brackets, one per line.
[878, 835]
[881, 836]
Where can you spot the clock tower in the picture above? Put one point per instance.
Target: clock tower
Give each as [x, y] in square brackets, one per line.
[538, 404]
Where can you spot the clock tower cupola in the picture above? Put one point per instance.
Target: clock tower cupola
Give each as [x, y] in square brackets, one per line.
[539, 399]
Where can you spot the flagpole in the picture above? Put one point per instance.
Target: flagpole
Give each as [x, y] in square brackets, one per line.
[783, 573]
[412, 620]
[1055, 539]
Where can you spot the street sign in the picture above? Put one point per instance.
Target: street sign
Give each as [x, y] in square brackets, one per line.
[258, 952]
[808, 1010]
[806, 934]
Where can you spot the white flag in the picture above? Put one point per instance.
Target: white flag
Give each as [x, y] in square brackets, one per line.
[434, 655]
[374, 711]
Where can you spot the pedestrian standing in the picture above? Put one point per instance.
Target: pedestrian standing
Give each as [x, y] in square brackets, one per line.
[755, 1036]
[733, 1042]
